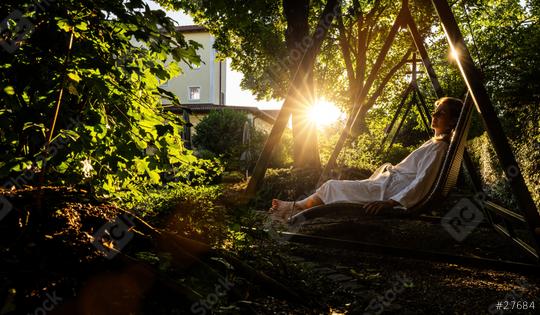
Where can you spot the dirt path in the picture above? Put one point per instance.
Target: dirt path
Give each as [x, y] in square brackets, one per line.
[360, 283]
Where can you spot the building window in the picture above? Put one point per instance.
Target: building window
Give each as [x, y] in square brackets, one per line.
[194, 93]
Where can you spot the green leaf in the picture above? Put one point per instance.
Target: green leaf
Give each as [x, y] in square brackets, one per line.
[141, 145]
[134, 77]
[69, 134]
[74, 76]
[39, 127]
[109, 184]
[141, 165]
[62, 168]
[82, 26]
[154, 177]
[64, 25]
[9, 90]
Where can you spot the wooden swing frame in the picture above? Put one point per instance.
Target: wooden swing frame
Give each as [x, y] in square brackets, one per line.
[498, 216]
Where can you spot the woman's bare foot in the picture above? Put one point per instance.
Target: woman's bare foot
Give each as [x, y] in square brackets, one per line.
[282, 210]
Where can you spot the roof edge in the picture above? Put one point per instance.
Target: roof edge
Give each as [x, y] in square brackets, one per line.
[191, 29]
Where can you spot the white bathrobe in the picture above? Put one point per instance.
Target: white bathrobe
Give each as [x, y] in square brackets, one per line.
[407, 182]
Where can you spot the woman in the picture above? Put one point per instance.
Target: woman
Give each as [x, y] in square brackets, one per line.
[404, 184]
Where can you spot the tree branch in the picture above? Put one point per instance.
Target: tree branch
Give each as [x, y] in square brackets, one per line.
[345, 50]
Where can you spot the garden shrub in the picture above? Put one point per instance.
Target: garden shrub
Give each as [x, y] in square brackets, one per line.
[528, 156]
[221, 133]
[190, 211]
[527, 153]
[199, 172]
[286, 184]
[364, 153]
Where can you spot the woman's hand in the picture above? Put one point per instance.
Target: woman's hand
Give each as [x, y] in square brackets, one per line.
[375, 207]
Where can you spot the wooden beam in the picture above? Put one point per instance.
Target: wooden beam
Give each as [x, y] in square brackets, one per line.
[361, 96]
[404, 97]
[308, 59]
[419, 43]
[473, 80]
[409, 105]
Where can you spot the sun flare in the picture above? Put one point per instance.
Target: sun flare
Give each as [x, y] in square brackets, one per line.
[454, 53]
[324, 113]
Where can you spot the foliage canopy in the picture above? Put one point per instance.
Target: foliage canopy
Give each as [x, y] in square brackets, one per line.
[111, 129]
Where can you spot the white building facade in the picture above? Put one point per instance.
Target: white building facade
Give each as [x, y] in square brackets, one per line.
[203, 84]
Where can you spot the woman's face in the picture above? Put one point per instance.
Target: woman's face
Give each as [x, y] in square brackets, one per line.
[441, 120]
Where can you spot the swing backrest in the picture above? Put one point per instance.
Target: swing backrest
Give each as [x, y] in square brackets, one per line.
[449, 171]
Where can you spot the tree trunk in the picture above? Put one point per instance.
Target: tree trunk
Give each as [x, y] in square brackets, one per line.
[305, 146]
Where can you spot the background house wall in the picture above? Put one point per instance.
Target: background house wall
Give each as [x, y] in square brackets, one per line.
[208, 77]
[212, 83]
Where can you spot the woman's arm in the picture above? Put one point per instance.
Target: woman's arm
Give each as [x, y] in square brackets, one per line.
[375, 207]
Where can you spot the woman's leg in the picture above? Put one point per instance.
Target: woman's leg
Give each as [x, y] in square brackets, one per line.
[310, 202]
[285, 209]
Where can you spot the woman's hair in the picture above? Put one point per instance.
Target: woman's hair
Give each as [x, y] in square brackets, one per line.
[454, 106]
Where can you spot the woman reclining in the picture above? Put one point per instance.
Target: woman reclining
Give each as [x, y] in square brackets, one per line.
[404, 184]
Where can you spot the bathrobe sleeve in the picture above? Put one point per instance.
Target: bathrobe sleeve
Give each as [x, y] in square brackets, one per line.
[428, 167]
